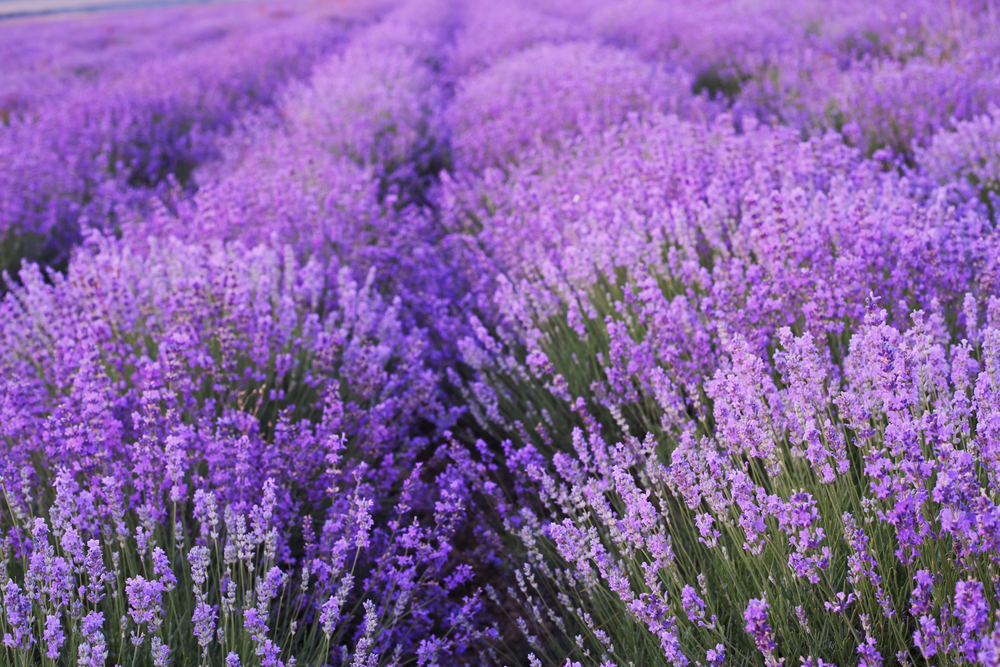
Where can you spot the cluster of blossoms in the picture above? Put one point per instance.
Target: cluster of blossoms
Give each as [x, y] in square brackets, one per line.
[447, 332]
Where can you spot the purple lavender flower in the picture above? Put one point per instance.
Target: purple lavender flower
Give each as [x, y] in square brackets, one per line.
[160, 652]
[861, 564]
[757, 625]
[207, 513]
[842, 604]
[72, 546]
[253, 622]
[204, 624]
[270, 584]
[989, 653]
[928, 638]
[815, 662]
[97, 575]
[741, 408]
[694, 607]
[870, 657]
[921, 599]
[362, 657]
[17, 610]
[972, 611]
[144, 601]
[330, 611]
[92, 651]
[53, 637]
[653, 613]
[800, 614]
[268, 653]
[364, 522]
[716, 657]
[163, 569]
[797, 519]
[200, 558]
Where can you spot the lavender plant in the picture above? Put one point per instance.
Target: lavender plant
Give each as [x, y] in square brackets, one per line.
[247, 456]
[547, 92]
[348, 174]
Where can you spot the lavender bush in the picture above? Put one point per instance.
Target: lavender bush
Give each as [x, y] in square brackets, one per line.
[547, 91]
[331, 538]
[235, 423]
[721, 447]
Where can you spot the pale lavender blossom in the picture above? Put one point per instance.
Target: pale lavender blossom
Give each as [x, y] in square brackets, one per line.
[54, 636]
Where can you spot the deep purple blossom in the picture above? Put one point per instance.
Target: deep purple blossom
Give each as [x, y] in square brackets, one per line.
[757, 624]
[18, 614]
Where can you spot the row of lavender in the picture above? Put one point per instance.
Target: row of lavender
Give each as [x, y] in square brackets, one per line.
[714, 287]
[743, 381]
[98, 115]
[234, 409]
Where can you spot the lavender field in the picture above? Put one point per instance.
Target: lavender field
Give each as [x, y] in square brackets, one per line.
[575, 333]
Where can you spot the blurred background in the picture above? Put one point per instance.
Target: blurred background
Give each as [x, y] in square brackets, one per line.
[17, 8]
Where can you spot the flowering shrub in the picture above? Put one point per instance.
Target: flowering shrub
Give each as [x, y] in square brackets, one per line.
[753, 231]
[493, 31]
[547, 91]
[718, 452]
[830, 517]
[247, 448]
[965, 161]
[346, 175]
[203, 407]
[887, 74]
